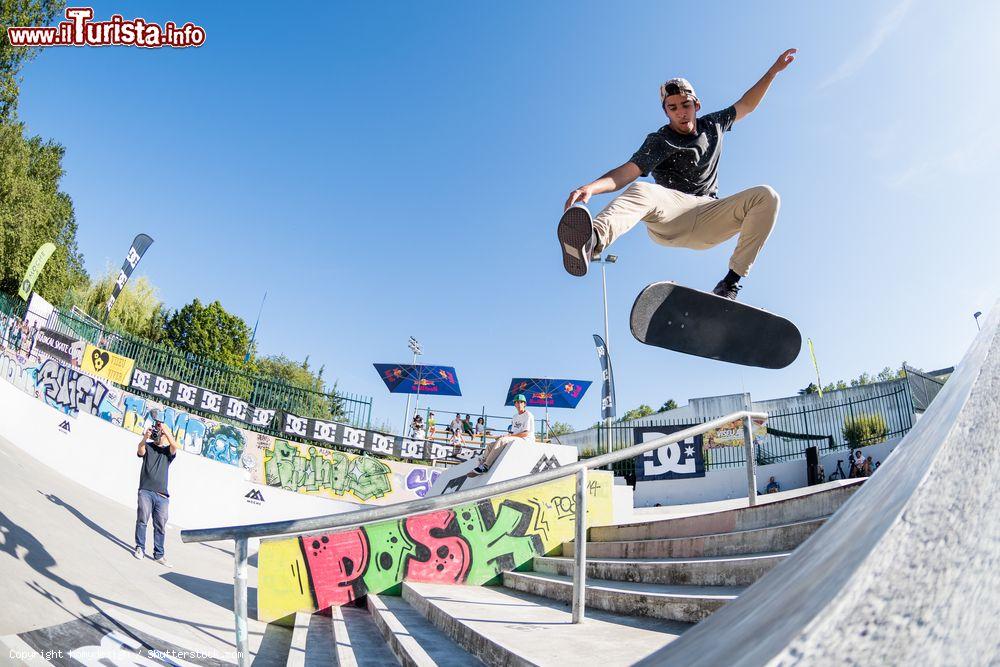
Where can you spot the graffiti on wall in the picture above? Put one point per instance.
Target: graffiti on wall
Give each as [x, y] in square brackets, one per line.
[69, 390]
[277, 462]
[470, 544]
[325, 472]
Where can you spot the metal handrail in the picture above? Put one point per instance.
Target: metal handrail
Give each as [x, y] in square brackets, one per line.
[241, 534]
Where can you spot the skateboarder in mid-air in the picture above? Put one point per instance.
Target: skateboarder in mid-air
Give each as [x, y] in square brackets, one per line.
[682, 208]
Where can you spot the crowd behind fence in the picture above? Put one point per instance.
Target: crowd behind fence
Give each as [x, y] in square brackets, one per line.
[789, 433]
[260, 391]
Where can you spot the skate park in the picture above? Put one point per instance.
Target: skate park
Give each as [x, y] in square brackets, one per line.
[690, 585]
[649, 262]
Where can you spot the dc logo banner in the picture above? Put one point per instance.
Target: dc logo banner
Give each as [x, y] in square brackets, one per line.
[678, 460]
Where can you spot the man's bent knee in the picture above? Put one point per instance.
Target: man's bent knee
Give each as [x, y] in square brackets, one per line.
[766, 194]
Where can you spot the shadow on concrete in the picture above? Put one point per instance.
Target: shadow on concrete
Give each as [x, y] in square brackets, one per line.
[38, 558]
[212, 591]
[56, 500]
[251, 559]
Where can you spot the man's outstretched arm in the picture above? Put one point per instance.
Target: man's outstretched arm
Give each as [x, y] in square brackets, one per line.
[752, 97]
[616, 179]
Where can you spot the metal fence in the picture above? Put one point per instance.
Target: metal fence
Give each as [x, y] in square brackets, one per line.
[258, 390]
[789, 433]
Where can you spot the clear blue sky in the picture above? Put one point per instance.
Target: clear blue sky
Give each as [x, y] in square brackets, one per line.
[387, 170]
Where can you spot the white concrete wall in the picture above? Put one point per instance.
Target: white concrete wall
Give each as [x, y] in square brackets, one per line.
[726, 483]
[101, 457]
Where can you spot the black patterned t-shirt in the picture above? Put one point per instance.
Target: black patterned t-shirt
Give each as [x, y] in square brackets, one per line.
[687, 162]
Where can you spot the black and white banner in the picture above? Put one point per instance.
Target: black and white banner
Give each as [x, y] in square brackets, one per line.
[335, 433]
[198, 398]
[140, 244]
[65, 348]
[318, 430]
[608, 376]
[678, 460]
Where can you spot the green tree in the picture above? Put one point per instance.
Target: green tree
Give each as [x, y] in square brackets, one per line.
[810, 388]
[635, 413]
[33, 211]
[137, 310]
[12, 58]
[209, 331]
[671, 404]
[559, 428]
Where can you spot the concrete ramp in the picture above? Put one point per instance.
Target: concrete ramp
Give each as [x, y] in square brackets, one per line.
[907, 572]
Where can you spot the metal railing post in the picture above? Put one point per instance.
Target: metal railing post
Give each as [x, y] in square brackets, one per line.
[580, 548]
[240, 601]
[751, 459]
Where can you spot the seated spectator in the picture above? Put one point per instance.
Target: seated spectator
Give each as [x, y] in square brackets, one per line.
[480, 426]
[772, 486]
[522, 429]
[866, 467]
[455, 427]
[467, 425]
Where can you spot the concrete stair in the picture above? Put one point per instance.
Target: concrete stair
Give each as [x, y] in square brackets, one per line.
[775, 538]
[688, 604]
[647, 583]
[741, 570]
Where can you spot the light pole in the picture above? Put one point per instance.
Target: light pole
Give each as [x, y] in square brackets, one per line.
[975, 316]
[607, 259]
[417, 350]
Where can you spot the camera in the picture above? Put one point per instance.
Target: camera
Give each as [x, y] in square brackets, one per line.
[155, 432]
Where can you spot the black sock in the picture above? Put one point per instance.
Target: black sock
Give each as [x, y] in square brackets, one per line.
[731, 278]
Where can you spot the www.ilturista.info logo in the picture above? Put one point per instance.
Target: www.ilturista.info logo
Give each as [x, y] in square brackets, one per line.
[80, 30]
[254, 497]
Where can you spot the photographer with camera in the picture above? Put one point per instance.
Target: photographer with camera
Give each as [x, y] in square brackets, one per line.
[157, 449]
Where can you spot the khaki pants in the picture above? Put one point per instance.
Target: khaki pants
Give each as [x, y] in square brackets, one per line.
[681, 220]
[494, 449]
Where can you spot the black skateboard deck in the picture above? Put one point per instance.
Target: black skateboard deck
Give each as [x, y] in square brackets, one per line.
[687, 320]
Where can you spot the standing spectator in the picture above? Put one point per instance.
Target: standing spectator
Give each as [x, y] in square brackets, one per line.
[32, 337]
[417, 431]
[157, 449]
[431, 425]
[857, 460]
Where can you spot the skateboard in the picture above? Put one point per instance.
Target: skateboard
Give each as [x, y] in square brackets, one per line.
[690, 321]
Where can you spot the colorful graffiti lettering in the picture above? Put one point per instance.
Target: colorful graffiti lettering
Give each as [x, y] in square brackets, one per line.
[471, 544]
[69, 390]
[325, 471]
[17, 374]
[420, 480]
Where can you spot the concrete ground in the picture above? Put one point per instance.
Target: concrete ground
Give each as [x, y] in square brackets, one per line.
[66, 560]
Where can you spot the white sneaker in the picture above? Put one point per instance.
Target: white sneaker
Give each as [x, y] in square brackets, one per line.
[162, 560]
[138, 553]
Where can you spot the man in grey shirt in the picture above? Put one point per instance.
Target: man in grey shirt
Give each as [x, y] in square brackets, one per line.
[682, 208]
[157, 449]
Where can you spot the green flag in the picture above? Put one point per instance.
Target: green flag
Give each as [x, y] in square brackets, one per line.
[35, 269]
[819, 382]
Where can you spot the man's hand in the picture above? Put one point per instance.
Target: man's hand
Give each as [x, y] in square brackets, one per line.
[783, 61]
[746, 104]
[582, 194]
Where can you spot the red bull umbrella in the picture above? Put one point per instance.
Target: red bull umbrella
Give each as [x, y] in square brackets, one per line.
[419, 379]
[548, 393]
